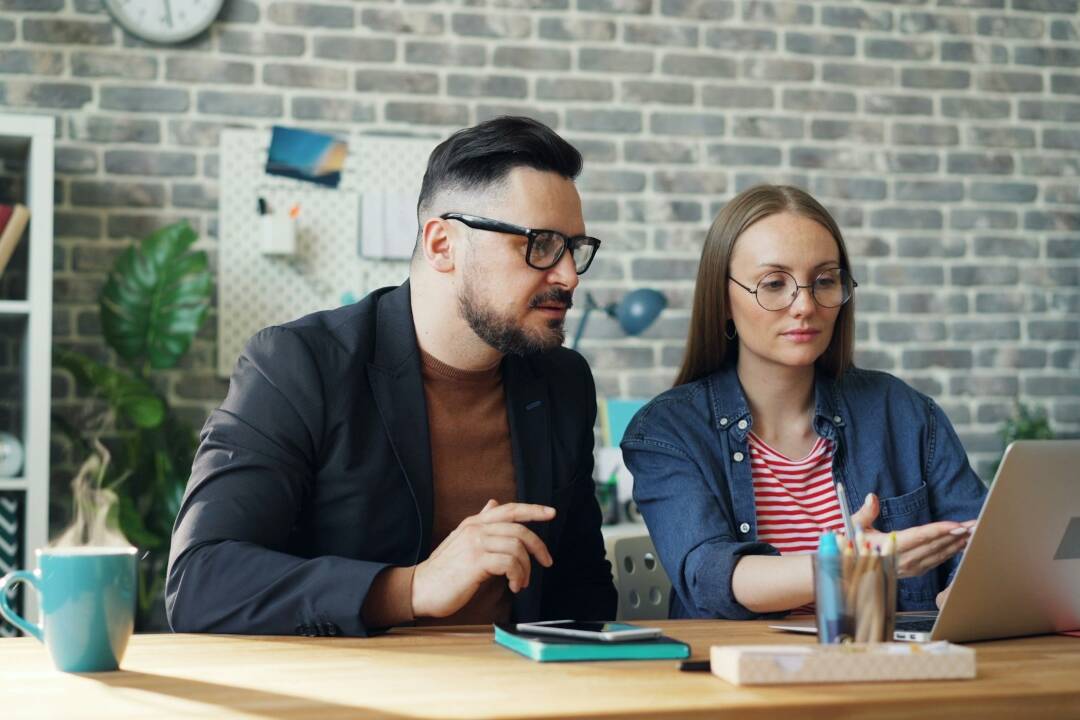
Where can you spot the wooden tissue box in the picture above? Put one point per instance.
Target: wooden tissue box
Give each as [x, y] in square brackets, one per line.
[782, 664]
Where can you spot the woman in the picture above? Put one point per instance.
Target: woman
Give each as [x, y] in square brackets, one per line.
[734, 467]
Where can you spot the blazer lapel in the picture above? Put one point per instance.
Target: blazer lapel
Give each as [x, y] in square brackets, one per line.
[530, 437]
[398, 390]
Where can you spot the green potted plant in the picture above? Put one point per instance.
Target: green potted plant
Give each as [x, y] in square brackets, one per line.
[1024, 425]
[153, 302]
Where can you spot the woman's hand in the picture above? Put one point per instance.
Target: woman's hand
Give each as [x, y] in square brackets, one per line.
[920, 548]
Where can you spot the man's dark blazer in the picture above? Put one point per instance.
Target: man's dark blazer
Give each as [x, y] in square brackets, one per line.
[315, 474]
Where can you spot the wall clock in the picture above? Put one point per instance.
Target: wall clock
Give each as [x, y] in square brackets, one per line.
[164, 21]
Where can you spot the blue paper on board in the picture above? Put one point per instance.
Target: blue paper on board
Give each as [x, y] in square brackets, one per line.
[306, 155]
[618, 412]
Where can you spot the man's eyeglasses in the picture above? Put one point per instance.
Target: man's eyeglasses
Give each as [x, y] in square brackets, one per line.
[778, 290]
[546, 247]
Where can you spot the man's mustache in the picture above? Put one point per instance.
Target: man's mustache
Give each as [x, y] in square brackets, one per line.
[555, 295]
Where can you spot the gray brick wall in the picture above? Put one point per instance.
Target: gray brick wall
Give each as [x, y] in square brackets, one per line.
[943, 134]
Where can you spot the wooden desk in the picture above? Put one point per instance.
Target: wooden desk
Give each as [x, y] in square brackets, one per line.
[460, 673]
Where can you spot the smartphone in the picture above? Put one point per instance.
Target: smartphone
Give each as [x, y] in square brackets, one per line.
[603, 631]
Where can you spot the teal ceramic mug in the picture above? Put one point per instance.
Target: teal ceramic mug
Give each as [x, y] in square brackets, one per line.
[87, 605]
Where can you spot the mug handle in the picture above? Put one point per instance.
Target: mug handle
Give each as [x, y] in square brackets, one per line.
[6, 610]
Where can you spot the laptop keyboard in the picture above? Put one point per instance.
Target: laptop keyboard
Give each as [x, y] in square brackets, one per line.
[911, 625]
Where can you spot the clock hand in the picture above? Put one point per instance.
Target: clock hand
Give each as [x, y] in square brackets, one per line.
[168, 13]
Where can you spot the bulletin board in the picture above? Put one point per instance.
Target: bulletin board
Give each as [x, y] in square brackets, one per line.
[326, 270]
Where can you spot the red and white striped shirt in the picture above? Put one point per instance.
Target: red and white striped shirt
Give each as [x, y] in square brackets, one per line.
[795, 500]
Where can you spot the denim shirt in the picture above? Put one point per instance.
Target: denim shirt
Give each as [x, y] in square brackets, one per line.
[689, 454]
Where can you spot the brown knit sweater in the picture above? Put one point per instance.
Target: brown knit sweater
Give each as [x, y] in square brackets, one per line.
[471, 462]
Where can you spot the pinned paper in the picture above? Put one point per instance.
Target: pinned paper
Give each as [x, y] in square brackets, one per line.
[387, 224]
[306, 155]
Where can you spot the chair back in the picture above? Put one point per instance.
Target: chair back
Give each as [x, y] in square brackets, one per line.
[643, 586]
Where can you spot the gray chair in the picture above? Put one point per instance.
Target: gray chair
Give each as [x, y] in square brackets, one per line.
[643, 586]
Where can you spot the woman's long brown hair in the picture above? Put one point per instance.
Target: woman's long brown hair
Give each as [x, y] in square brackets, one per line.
[707, 347]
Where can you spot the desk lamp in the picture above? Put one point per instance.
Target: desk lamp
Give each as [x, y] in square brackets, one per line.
[635, 312]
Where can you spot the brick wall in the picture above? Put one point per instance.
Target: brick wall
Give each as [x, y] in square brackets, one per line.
[944, 135]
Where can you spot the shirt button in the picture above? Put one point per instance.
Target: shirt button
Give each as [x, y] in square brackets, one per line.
[738, 457]
[744, 528]
[742, 424]
[723, 421]
[837, 419]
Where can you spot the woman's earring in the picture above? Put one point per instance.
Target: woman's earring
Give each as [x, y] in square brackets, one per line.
[731, 330]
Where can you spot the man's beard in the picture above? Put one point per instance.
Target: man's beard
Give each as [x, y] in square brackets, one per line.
[502, 333]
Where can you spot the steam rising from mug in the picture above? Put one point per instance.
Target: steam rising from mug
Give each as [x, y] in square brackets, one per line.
[97, 517]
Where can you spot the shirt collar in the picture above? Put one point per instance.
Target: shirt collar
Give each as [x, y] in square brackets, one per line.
[827, 416]
[732, 414]
[729, 409]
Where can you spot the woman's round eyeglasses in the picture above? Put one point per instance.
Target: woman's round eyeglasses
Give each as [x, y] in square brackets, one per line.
[778, 290]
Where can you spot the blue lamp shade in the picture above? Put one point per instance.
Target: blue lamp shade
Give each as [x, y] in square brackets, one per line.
[635, 312]
[639, 309]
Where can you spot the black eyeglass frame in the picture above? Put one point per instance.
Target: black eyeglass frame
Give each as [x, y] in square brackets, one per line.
[799, 287]
[482, 223]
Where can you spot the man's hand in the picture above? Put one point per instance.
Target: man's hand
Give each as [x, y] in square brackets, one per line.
[920, 548]
[942, 597]
[489, 544]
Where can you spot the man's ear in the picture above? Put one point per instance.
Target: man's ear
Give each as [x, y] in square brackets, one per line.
[437, 246]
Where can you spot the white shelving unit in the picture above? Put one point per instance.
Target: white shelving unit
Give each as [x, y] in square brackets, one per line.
[28, 140]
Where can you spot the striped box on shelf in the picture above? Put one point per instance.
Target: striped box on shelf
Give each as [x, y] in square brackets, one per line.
[11, 505]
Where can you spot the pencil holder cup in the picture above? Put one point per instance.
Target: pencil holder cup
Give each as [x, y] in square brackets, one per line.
[855, 598]
[278, 234]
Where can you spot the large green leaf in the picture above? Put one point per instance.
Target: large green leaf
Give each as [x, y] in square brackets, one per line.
[129, 395]
[133, 527]
[156, 297]
[171, 448]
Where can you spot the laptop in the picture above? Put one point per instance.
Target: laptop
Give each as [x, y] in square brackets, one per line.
[1020, 574]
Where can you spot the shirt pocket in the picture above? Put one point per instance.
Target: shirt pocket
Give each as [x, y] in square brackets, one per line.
[904, 511]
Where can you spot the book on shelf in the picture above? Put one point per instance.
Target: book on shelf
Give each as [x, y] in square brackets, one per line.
[13, 219]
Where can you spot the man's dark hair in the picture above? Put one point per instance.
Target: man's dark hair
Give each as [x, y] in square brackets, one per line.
[484, 154]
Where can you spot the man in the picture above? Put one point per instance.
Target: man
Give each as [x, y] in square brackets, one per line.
[422, 456]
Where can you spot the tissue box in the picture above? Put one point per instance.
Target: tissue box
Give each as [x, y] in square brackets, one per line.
[782, 664]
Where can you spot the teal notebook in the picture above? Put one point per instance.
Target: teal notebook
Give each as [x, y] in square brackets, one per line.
[546, 648]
